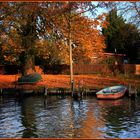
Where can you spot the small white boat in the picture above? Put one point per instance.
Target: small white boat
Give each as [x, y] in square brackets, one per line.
[114, 92]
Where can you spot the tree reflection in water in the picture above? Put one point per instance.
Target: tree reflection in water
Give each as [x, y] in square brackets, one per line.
[28, 118]
[64, 117]
[92, 122]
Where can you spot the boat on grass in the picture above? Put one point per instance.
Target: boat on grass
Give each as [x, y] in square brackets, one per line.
[114, 92]
[29, 79]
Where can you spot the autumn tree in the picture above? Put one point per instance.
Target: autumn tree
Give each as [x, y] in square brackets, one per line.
[24, 24]
[86, 40]
[41, 29]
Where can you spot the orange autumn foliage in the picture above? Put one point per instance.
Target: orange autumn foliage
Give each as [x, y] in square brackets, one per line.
[84, 35]
[51, 20]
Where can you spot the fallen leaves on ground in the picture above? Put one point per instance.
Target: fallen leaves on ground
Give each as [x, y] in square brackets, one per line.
[63, 81]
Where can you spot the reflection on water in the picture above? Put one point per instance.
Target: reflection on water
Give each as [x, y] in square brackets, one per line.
[64, 117]
[121, 118]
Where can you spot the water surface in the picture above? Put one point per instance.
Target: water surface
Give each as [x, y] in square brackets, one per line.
[64, 117]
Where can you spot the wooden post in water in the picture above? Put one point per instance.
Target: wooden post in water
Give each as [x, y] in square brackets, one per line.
[132, 91]
[80, 91]
[129, 90]
[45, 91]
[15, 80]
[1, 91]
[135, 90]
[72, 88]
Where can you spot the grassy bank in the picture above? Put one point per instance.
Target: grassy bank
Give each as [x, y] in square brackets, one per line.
[63, 81]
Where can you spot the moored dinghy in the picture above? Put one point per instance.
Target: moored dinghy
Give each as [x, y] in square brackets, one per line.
[114, 92]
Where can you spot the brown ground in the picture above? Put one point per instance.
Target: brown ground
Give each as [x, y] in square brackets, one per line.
[63, 81]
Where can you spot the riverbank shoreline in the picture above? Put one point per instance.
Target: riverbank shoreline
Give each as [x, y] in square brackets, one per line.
[61, 83]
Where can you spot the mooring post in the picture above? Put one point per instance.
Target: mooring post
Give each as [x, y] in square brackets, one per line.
[79, 85]
[135, 91]
[15, 80]
[45, 91]
[1, 91]
[45, 94]
[130, 88]
[72, 87]
[79, 90]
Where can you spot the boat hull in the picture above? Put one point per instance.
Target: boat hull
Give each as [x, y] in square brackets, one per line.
[114, 92]
[111, 96]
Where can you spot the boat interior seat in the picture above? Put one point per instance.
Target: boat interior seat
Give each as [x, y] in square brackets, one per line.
[106, 91]
[114, 90]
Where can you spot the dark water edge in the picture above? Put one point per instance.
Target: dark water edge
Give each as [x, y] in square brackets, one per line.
[64, 117]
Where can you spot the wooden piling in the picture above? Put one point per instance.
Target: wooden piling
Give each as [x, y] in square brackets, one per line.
[132, 91]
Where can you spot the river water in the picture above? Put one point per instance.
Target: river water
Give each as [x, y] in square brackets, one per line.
[64, 117]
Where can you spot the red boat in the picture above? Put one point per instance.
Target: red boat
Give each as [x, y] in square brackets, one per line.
[114, 92]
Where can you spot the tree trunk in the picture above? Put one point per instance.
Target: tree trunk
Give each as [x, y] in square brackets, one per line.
[29, 65]
[28, 37]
